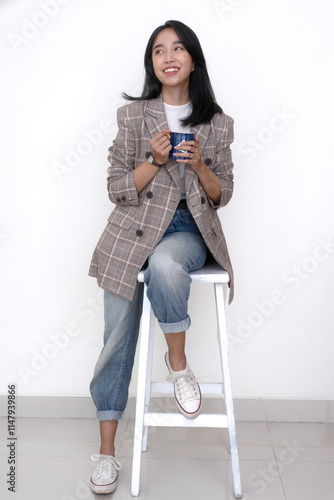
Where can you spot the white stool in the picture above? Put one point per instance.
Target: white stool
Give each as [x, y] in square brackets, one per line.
[210, 273]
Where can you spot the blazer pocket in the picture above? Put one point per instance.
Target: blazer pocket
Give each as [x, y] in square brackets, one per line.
[216, 233]
[121, 218]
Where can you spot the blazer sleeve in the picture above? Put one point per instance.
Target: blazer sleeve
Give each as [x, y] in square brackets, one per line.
[223, 164]
[120, 181]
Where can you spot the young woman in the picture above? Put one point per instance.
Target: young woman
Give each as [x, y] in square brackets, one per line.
[165, 217]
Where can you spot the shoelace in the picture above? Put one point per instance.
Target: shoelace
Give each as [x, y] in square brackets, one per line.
[107, 465]
[182, 383]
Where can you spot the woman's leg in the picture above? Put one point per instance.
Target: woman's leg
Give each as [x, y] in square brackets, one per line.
[176, 349]
[168, 288]
[109, 386]
[168, 281]
[112, 375]
[108, 430]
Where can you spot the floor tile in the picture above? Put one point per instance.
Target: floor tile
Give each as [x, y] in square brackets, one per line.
[308, 480]
[165, 442]
[60, 437]
[51, 478]
[260, 481]
[253, 433]
[307, 434]
[167, 479]
[287, 461]
[254, 441]
[303, 442]
[183, 479]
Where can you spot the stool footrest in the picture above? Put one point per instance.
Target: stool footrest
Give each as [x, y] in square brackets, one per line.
[168, 388]
[178, 420]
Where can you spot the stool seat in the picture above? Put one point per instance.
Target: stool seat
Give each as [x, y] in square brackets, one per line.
[210, 273]
[216, 275]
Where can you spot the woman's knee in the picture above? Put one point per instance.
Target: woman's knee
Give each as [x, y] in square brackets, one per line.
[167, 274]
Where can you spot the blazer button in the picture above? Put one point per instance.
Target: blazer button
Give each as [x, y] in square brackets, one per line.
[149, 194]
[203, 200]
[207, 161]
[123, 198]
[118, 200]
[139, 232]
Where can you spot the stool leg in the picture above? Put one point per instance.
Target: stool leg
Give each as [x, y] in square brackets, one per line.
[149, 373]
[140, 405]
[223, 345]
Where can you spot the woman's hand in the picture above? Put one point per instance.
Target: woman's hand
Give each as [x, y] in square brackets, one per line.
[161, 146]
[209, 180]
[145, 172]
[195, 151]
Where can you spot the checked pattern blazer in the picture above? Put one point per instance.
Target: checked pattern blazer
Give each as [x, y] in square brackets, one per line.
[138, 222]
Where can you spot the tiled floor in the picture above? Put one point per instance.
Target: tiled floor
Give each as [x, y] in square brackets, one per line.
[278, 461]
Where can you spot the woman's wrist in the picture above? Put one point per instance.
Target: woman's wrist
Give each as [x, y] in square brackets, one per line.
[161, 160]
[201, 169]
[155, 161]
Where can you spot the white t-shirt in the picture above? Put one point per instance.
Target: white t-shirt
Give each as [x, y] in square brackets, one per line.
[174, 115]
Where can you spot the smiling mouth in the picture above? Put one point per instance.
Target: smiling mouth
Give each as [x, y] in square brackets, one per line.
[171, 70]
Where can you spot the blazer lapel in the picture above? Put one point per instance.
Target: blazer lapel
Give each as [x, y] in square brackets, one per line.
[155, 119]
[202, 131]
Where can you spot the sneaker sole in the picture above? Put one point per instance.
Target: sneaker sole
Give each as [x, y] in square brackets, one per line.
[103, 489]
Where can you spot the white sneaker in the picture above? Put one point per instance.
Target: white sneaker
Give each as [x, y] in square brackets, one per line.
[104, 478]
[186, 390]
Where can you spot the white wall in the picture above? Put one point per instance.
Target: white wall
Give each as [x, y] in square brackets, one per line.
[271, 67]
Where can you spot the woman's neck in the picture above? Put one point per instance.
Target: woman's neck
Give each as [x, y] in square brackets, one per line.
[175, 96]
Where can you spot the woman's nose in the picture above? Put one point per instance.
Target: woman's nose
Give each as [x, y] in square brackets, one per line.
[169, 57]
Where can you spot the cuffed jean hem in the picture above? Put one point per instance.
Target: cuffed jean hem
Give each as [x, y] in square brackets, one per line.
[109, 415]
[179, 326]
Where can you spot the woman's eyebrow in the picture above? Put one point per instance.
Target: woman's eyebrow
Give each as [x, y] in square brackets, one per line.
[161, 44]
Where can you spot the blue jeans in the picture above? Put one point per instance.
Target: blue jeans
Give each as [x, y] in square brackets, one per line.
[182, 249]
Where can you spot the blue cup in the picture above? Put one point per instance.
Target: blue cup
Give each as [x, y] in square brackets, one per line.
[176, 138]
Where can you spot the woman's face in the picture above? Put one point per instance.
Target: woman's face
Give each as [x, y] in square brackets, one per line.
[172, 63]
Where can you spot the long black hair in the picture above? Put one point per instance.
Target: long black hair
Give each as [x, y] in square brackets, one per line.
[204, 104]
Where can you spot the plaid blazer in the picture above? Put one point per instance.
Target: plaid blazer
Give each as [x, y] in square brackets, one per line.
[138, 222]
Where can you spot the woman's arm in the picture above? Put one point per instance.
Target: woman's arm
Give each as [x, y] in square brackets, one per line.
[217, 181]
[208, 179]
[120, 181]
[125, 182]
[145, 172]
